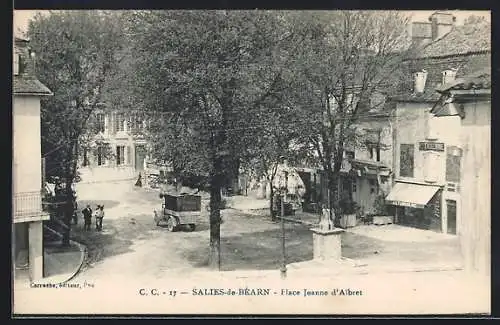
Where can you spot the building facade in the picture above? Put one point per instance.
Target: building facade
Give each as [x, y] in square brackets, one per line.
[27, 170]
[428, 151]
[366, 170]
[470, 99]
[117, 147]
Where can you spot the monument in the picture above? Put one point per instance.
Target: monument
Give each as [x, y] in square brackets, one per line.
[327, 239]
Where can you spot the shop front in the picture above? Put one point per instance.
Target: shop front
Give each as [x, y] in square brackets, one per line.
[417, 205]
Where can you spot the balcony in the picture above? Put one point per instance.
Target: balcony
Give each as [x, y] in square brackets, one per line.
[27, 206]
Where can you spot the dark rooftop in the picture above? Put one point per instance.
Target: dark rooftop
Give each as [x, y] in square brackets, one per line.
[479, 80]
[470, 38]
[429, 95]
[29, 86]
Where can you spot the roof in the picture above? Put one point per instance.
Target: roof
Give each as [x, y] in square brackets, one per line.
[461, 40]
[429, 95]
[478, 81]
[19, 39]
[29, 86]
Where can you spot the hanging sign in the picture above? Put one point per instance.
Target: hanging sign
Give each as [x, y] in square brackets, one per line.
[405, 204]
[431, 146]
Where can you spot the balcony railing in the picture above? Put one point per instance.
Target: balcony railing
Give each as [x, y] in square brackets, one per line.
[27, 204]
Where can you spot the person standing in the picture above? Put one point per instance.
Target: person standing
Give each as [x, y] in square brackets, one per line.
[75, 209]
[87, 216]
[139, 181]
[99, 215]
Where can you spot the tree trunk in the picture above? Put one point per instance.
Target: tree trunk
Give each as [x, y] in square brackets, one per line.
[68, 212]
[68, 193]
[215, 203]
[271, 202]
[334, 192]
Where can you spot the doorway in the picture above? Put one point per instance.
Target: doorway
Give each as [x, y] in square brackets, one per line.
[140, 155]
[451, 207]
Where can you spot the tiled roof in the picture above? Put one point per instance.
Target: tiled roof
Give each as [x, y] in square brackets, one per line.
[478, 80]
[29, 86]
[470, 38]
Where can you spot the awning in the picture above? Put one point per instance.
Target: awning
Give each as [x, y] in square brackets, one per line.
[411, 195]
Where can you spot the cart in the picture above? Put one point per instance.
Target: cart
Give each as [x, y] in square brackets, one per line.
[178, 210]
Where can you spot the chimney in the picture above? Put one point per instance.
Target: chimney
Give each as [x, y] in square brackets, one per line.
[421, 33]
[441, 24]
[24, 59]
[449, 75]
[420, 79]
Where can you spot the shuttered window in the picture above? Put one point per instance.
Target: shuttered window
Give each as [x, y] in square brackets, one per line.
[406, 160]
[120, 153]
[453, 157]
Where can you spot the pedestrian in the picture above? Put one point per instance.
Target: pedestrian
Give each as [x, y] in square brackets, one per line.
[99, 215]
[75, 209]
[87, 216]
[139, 181]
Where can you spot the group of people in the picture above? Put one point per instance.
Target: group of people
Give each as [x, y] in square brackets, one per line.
[98, 214]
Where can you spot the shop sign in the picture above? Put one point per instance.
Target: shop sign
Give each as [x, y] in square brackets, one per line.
[431, 146]
[405, 204]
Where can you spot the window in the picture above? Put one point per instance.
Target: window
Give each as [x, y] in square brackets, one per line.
[349, 154]
[120, 155]
[453, 157]
[101, 124]
[119, 122]
[85, 158]
[448, 75]
[16, 63]
[100, 156]
[373, 151]
[354, 187]
[406, 160]
[373, 185]
[136, 123]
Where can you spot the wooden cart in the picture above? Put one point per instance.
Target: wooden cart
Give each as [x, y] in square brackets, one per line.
[178, 210]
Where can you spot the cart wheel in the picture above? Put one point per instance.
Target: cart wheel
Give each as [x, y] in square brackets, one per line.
[192, 226]
[172, 224]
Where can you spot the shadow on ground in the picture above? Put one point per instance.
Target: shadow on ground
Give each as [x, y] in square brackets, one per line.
[59, 259]
[117, 237]
[257, 250]
[199, 227]
[262, 250]
[108, 204]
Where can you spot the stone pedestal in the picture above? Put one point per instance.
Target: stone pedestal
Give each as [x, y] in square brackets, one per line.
[383, 220]
[327, 244]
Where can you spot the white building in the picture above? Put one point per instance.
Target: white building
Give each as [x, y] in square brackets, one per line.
[27, 168]
[117, 148]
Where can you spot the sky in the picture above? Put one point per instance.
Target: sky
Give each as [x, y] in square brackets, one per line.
[22, 17]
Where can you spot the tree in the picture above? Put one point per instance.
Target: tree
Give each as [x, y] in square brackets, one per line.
[474, 20]
[346, 56]
[76, 54]
[270, 142]
[205, 70]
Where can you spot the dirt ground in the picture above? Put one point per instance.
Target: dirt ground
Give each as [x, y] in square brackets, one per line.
[132, 245]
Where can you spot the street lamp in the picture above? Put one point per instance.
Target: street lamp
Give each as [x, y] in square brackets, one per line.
[284, 192]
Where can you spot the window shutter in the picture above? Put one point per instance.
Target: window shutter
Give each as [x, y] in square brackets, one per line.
[129, 155]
